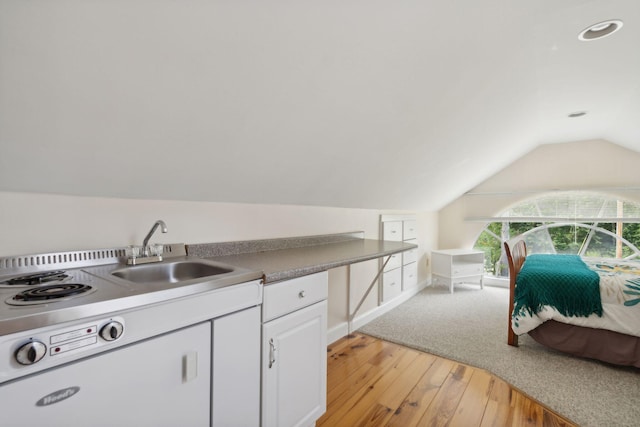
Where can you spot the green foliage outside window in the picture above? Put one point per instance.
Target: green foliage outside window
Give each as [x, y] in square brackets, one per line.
[566, 239]
[555, 234]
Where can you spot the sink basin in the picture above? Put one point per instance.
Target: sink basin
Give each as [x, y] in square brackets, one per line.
[170, 272]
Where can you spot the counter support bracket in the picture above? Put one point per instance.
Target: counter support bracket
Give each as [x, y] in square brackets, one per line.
[366, 294]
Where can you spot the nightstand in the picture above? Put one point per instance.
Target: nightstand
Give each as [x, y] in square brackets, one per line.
[451, 266]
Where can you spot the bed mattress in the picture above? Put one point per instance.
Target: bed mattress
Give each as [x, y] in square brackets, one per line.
[619, 293]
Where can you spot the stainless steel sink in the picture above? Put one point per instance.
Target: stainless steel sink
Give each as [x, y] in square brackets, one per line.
[170, 271]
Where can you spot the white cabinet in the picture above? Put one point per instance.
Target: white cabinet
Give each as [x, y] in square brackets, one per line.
[391, 284]
[294, 351]
[163, 381]
[235, 389]
[401, 272]
[453, 266]
[409, 275]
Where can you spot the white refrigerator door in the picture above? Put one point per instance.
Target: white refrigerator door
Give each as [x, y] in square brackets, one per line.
[164, 381]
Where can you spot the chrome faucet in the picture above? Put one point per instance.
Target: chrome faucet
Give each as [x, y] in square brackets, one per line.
[145, 242]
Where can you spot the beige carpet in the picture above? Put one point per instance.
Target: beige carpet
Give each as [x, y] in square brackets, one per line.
[469, 326]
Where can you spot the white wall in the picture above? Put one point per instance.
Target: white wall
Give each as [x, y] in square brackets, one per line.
[41, 223]
[587, 165]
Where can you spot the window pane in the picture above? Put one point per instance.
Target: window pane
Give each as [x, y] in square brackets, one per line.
[563, 232]
[568, 239]
[601, 245]
[539, 242]
[490, 246]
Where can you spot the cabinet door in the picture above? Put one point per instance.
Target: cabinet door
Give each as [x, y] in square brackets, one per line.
[235, 392]
[164, 381]
[294, 368]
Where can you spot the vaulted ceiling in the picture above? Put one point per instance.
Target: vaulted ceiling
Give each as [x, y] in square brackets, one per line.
[354, 103]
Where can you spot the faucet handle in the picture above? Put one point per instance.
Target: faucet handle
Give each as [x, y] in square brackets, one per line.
[133, 251]
[157, 249]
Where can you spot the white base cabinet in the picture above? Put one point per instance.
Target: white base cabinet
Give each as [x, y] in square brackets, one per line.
[160, 382]
[294, 352]
[235, 389]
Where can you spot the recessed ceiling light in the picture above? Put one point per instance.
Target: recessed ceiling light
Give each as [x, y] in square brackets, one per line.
[599, 30]
[577, 114]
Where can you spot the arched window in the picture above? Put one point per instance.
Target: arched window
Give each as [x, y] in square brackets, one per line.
[586, 224]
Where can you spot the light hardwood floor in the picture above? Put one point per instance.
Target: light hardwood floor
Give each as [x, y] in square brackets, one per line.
[372, 382]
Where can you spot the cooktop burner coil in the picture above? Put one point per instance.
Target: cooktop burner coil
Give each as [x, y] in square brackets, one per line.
[50, 293]
[37, 278]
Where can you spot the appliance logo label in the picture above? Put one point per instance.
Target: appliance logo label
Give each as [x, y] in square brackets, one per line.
[57, 396]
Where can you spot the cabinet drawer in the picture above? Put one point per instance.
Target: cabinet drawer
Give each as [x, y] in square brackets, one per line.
[409, 275]
[410, 256]
[394, 262]
[391, 284]
[291, 295]
[409, 230]
[467, 269]
[392, 230]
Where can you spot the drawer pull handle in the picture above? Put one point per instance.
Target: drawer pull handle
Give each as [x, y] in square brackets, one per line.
[189, 366]
[302, 294]
[272, 353]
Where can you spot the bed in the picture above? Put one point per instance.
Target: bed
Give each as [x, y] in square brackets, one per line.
[584, 307]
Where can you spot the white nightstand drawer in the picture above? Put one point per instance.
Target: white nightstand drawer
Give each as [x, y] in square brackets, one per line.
[470, 269]
[291, 295]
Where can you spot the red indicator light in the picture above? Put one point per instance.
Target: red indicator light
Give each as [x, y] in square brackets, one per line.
[57, 349]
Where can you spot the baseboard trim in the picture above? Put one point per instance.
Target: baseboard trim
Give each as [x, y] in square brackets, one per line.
[496, 281]
[342, 329]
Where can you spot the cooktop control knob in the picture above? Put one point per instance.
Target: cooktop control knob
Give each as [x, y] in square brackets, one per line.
[112, 331]
[31, 352]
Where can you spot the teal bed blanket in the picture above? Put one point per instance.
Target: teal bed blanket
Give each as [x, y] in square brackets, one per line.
[561, 281]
